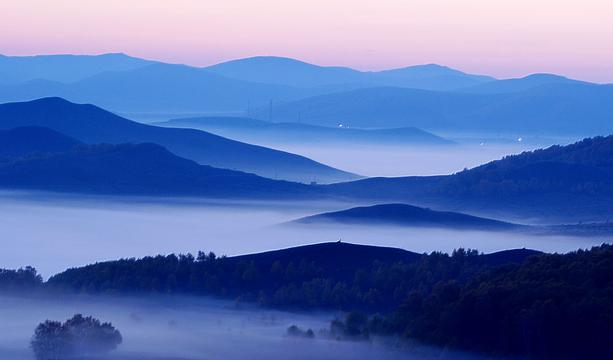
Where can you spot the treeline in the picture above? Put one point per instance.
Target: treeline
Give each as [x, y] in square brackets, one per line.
[379, 286]
[25, 279]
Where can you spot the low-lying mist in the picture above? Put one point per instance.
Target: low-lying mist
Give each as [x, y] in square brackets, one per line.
[188, 328]
[404, 160]
[52, 232]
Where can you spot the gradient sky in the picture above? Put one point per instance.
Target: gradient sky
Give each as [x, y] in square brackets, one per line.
[504, 38]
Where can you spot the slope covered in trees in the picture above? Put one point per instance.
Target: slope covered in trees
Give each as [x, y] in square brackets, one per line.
[330, 275]
[548, 307]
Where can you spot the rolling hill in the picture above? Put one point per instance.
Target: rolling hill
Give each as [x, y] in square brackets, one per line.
[314, 265]
[259, 131]
[520, 84]
[140, 169]
[93, 125]
[286, 71]
[407, 216]
[428, 77]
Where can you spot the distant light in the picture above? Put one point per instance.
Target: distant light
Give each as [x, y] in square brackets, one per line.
[482, 144]
[519, 139]
[340, 125]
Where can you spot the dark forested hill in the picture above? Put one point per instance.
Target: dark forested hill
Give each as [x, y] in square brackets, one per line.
[329, 275]
[572, 180]
[548, 307]
[94, 125]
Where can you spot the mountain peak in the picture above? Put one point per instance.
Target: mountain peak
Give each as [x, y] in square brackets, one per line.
[545, 76]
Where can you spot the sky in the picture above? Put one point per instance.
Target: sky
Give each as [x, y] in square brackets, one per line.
[503, 38]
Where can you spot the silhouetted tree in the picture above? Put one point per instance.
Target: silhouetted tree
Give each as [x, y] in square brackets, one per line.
[77, 336]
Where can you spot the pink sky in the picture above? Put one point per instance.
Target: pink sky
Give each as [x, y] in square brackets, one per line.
[504, 38]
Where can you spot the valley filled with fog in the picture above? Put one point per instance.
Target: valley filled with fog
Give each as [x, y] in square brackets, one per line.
[55, 232]
[412, 159]
[176, 328]
[369, 160]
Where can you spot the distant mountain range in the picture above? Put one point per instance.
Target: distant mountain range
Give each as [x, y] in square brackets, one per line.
[63, 68]
[260, 131]
[295, 73]
[157, 88]
[127, 84]
[558, 108]
[429, 97]
[407, 216]
[93, 125]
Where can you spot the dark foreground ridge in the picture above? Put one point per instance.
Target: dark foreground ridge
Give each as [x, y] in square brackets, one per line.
[517, 302]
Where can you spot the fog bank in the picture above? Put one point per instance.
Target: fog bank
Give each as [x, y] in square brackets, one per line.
[53, 233]
[196, 329]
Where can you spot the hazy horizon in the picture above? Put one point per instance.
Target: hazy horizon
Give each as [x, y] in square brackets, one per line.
[163, 59]
[478, 36]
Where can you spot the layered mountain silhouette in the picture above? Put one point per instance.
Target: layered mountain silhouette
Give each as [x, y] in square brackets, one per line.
[93, 125]
[430, 97]
[157, 87]
[135, 169]
[260, 131]
[408, 216]
[562, 108]
[572, 182]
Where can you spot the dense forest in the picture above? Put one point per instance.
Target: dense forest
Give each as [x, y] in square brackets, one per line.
[549, 307]
[517, 302]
